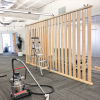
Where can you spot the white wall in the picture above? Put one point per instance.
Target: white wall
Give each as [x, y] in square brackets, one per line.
[1, 44]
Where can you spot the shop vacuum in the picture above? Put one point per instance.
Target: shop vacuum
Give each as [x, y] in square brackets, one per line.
[18, 84]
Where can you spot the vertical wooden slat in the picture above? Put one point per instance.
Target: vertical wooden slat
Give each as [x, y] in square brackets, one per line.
[42, 45]
[52, 44]
[89, 44]
[62, 44]
[58, 44]
[74, 45]
[50, 41]
[47, 44]
[55, 45]
[29, 43]
[45, 38]
[36, 41]
[26, 42]
[78, 42]
[40, 42]
[83, 45]
[65, 44]
[69, 32]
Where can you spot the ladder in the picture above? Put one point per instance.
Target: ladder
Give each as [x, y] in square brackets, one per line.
[37, 48]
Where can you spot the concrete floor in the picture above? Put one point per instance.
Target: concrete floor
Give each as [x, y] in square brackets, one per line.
[65, 88]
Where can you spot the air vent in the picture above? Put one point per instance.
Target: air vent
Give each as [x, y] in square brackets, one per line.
[62, 10]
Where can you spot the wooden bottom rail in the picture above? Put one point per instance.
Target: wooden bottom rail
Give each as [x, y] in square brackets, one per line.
[71, 77]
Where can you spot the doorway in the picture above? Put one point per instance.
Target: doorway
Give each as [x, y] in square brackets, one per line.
[6, 43]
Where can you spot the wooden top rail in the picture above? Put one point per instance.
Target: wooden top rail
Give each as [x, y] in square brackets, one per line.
[62, 14]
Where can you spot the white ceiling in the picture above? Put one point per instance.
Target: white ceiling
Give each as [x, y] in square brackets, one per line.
[25, 5]
[31, 4]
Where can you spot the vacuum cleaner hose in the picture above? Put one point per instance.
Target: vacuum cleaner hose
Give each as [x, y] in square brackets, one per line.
[52, 89]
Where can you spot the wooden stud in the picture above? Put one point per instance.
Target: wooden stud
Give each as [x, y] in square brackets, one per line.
[36, 42]
[42, 44]
[52, 44]
[89, 44]
[26, 42]
[69, 32]
[74, 45]
[83, 45]
[32, 40]
[65, 44]
[29, 43]
[58, 44]
[78, 42]
[55, 45]
[62, 44]
[47, 44]
[50, 41]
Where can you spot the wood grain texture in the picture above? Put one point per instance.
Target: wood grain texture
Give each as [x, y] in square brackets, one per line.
[83, 45]
[69, 33]
[50, 41]
[26, 42]
[89, 44]
[59, 44]
[62, 56]
[78, 43]
[74, 46]
[55, 44]
[31, 42]
[15, 47]
[66, 69]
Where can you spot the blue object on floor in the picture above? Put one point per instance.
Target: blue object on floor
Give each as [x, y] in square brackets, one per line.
[55, 69]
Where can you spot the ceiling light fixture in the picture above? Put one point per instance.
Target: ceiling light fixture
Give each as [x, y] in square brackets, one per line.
[25, 12]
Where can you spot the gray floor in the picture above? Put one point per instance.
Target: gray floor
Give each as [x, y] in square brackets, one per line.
[65, 88]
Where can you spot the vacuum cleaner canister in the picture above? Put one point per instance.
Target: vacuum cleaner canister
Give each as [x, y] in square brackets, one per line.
[18, 85]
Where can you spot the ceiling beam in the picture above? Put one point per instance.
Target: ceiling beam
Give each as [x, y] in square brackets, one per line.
[22, 4]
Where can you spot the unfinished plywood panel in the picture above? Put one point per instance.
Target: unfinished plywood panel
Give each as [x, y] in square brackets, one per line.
[65, 64]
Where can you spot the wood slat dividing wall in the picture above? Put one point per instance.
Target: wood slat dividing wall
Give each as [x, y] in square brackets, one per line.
[59, 34]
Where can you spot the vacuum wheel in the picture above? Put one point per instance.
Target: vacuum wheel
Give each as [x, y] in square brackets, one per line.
[12, 97]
